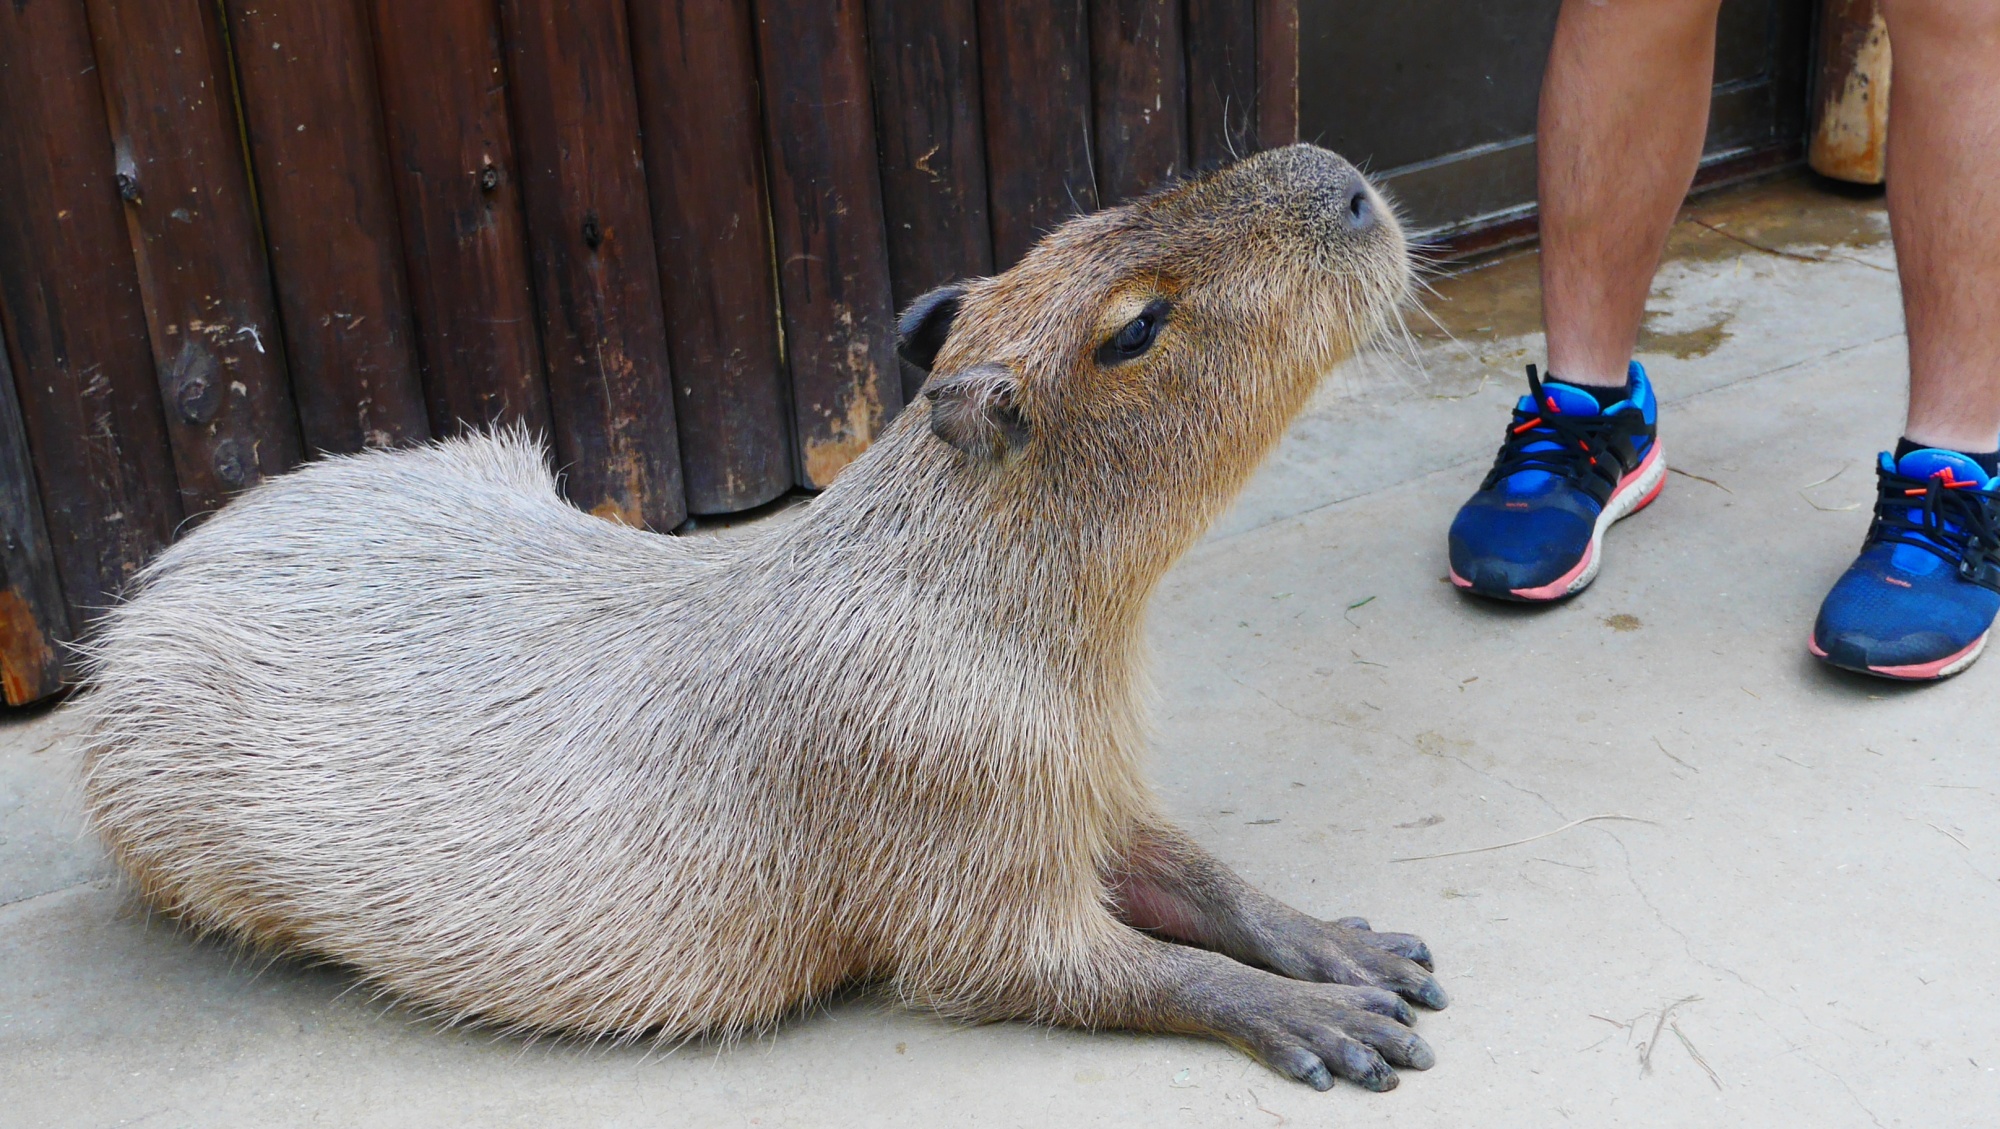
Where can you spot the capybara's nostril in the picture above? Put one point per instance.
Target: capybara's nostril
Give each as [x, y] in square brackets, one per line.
[1360, 209]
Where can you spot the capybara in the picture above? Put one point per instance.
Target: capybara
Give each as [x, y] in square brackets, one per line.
[410, 712]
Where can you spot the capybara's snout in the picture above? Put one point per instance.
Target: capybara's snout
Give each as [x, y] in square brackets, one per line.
[1329, 197]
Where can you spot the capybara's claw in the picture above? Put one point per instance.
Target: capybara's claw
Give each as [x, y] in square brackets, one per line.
[1347, 952]
[1403, 945]
[1316, 1040]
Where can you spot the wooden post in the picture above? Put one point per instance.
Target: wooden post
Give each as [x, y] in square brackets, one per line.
[925, 56]
[926, 66]
[1221, 80]
[307, 84]
[71, 313]
[1277, 73]
[826, 203]
[210, 314]
[611, 393]
[33, 621]
[452, 152]
[1850, 110]
[1139, 93]
[697, 76]
[1034, 67]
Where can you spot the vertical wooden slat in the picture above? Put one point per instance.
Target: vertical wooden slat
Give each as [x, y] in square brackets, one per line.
[826, 202]
[610, 388]
[209, 311]
[1034, 68]
[1139, 95]
[33, 621]
[1277, 72]
[307, 85]
[925, 58]
[697, 74]
[1848, 138]
[1222, 80]
[71, 313]
[452, 153]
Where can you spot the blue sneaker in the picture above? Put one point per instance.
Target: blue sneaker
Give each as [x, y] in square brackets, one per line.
[1919, 601]
[1568, 470]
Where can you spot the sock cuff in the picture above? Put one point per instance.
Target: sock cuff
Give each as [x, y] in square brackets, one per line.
[1605, 395]
[1989, 461]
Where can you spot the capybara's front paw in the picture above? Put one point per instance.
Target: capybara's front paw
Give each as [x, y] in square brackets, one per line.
[1349, 952]
[1318, 1032]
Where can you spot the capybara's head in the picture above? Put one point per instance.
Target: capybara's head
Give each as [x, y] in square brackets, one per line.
[1154, 352]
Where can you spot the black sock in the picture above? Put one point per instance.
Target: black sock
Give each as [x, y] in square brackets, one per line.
[1604, 396]
[1989, 461]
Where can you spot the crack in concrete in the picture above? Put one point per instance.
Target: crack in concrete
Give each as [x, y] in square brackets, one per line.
[1687, 948]
[1830, 258]
[1495, 777]
[1851, 1095]
[26, 898]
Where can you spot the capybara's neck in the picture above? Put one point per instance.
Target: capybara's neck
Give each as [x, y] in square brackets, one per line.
[983, 546]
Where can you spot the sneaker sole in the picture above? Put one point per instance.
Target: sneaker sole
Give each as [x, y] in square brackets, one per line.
[1635, 492]
[1914, 672]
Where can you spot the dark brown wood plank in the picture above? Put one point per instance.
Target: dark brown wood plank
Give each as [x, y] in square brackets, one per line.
[697, 75]
[71, 313]
[1139, 96]
[826, 203]
[1221, 41]
[1277, 72]
[925, 56]
[306, 80]
[611, 392]
[33, 621]
[1034, 68]
[451, 151]
[212, 320]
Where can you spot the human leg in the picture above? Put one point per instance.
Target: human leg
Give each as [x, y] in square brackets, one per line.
[1624, 109]
[1623, 112]
[1944, 211]
[1920, 600]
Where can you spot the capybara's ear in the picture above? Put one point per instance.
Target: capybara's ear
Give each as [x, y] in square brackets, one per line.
[921, 331]
[975, 411]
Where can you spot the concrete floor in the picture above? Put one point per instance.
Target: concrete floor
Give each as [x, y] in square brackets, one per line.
[1792, 924]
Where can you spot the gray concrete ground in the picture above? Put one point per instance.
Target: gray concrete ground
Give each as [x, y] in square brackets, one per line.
[1791, 924]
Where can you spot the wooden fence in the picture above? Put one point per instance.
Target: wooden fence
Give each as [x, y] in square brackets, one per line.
[669, 234]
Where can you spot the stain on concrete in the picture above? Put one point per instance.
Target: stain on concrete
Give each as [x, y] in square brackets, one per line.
[1622, 622]
[1493, 299]
[1795, 213]
[1500, 298]
[1683, 344]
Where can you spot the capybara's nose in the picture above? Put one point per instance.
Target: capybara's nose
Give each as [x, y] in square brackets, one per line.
[1360, 203]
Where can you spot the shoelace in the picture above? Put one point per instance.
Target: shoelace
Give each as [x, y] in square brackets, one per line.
[1571, 446]
[1955, 521]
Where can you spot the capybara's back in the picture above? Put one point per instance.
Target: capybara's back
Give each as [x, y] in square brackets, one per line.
[391, 709]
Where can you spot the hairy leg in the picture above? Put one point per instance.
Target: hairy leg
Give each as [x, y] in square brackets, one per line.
[1623, 113]
[1169, 886]
[1944, 209]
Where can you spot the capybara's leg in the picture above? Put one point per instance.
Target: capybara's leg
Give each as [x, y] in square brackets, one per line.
[1169, 886]
[1310, 1032]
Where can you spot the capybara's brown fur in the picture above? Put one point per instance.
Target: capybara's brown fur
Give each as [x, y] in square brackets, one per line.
[412, 713]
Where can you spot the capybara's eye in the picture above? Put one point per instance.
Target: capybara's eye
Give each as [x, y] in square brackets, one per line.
[1137, 335]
